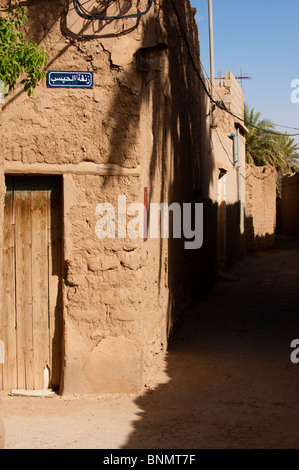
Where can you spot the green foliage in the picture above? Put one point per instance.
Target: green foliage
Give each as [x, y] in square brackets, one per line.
[19, 57]
[290, 152]
[265, 147]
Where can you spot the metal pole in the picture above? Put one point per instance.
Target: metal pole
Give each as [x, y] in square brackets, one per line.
[212, 71]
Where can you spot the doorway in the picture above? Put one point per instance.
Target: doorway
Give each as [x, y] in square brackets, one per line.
[31, 323]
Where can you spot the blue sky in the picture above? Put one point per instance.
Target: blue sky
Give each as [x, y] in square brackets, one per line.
[262, 37]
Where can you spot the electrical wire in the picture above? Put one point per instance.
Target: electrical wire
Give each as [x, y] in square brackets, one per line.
[88, 15]
[266, 131]
[220, 104]
[239, 117]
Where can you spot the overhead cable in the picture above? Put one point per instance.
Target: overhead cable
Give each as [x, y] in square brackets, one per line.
[89, 15]
[219, 104]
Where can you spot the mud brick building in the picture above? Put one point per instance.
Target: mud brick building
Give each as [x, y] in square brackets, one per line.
[96, 313]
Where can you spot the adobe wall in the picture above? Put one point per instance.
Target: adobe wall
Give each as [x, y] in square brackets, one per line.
[260, 207]
[101, 292]
[132, 131]
[226, 187]
[228, 90]
[290, 204]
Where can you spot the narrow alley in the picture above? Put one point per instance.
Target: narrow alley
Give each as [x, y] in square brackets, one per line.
[233, 384]
[228, 381]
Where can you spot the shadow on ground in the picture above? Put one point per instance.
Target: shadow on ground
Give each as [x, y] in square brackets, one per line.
[231, 381]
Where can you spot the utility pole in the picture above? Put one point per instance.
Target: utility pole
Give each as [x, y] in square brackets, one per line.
[212, 71]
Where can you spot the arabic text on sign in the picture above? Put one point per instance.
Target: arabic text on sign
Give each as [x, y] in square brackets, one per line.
[70, 79]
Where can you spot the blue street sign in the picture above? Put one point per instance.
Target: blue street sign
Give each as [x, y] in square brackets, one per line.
[69, 79]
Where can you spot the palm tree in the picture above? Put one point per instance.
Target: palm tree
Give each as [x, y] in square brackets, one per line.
[263, 145]
[290, 151]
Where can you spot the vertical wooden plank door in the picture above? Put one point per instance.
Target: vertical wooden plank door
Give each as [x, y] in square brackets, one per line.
[32, 277]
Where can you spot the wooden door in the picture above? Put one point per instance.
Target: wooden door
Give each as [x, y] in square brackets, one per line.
[31, 320]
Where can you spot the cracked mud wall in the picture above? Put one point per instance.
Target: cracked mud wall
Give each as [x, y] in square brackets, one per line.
[132, 131]
[103, 287]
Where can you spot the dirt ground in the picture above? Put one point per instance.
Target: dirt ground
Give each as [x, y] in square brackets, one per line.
[227, 381]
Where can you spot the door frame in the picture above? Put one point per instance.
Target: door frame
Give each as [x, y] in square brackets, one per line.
[61, 288]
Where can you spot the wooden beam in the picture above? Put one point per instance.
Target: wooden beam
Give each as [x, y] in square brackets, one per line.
[84, 168]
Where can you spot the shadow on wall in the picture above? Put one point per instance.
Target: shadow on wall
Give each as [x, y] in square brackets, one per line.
[289, 205]
[278, 215]
[255, 242]
[177, 102]
[178, 127]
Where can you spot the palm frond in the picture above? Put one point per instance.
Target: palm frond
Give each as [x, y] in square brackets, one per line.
[266, 148]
